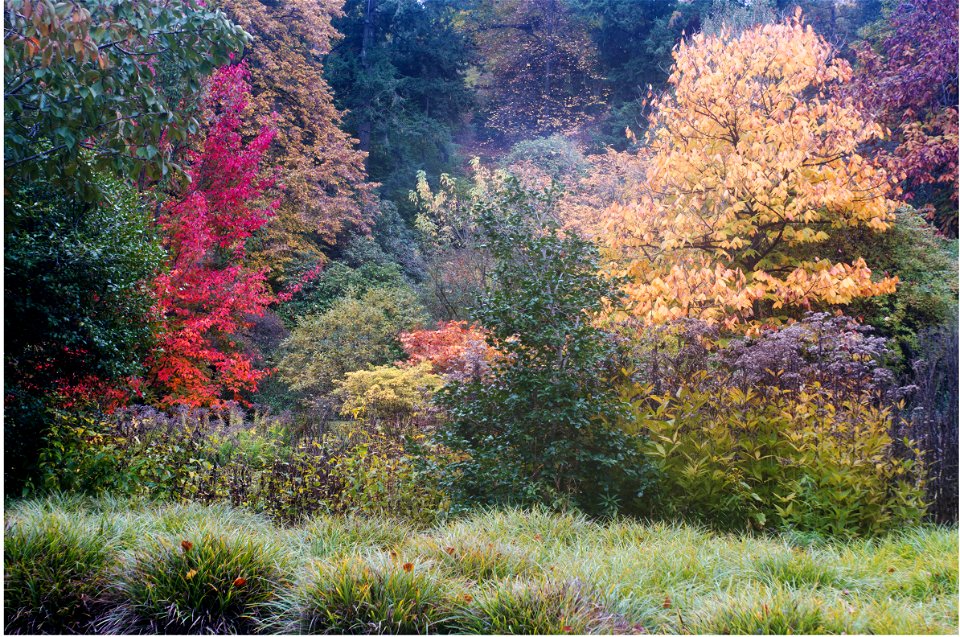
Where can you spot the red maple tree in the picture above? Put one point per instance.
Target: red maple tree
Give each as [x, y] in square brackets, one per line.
[208, 294]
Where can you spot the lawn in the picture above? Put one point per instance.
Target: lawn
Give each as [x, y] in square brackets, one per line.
[121, 566]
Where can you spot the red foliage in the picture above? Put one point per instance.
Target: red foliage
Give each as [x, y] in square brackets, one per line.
[208, 294]
[912, 87]
[298, 284]
[456, 349]
[74, 390]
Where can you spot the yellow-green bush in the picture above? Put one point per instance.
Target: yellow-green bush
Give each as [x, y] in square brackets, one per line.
[389, 394]
[777, 458]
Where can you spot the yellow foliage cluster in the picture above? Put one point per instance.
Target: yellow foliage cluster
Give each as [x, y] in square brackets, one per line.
[751, 161]
[388, 392]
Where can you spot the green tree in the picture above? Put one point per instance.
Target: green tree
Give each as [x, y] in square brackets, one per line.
[83, 86]
[537, 429]
[926, 266]
[633, 42]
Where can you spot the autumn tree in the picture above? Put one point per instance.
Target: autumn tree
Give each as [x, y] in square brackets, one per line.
[540, 73]
[325, 192]
[910, 84]
[208, 293]
[752, 162]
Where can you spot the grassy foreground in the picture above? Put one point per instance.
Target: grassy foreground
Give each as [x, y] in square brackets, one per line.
[116, 566]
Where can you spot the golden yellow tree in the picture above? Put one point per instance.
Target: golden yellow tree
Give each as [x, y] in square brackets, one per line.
[751, 163]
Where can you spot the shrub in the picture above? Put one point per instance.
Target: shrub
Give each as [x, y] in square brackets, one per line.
[394, 396]
[788, 430]
[455, 349]
[926, 265]
[77, 310]
[199, 582]
[384, 475]
[57, 566]
[535, 430]
[198, 456]
[376, 595]
[556, 156]
[933, 416]
[353, 333]
[532, 607]
[337, 281]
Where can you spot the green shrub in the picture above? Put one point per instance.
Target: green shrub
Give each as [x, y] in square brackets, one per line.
[557, 156]
[925, 263]
[199, 582]
[392, 477]
[535, 430]
[779, 459]
[337, 281]
[376, 595]
[78, 457]
[533, 607]
[352, 334]
[57, 566]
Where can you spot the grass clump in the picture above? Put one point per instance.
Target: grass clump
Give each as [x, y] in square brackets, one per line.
[780, 613]
[57, 571]
[470, 557]
[524, 607]
[328, 536]
[799, 570]
[199, 582]
[371, 595]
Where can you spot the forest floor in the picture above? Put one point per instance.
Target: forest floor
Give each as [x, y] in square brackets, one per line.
[494, 572]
